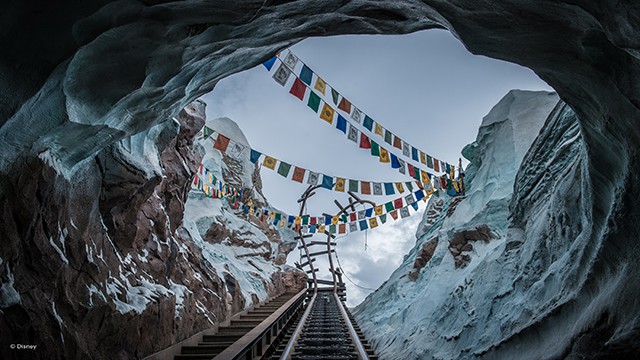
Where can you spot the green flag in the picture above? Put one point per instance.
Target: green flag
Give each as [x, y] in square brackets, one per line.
[305, 220]
[353, 185]
[389, 206]
[430, 161]
[375, 149]
[335, 96]
[207, 131]
[387, 136]
[284, 168]
[314, 101]
[383, 218]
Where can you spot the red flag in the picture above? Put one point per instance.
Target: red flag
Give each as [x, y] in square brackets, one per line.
[345, 105]
[201, 169]
[443, 182]
[365, 188]
[436, 165]
[195, 181]
[298, 174]
[221, 143]
[298, 89]
[364, 141]
[312, 221]
[420, 185]
[397, 142]
[397, 203]
[412, 171]
[342, 228]
[352, 216]
[394, 214]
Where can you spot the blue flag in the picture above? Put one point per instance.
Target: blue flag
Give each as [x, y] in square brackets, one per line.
[327, 220]
[388, 188]
[415, 206]
[255, 155]
[419, 195]
[368, 122]
[368, 212]
[327, 182]
[269, 63]
[312, 229]
[363, 225]
[395, 164]
[342, 124]
[306, 74]
[245, 209]
[290, 219]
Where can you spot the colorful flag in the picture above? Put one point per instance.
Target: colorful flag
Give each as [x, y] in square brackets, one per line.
[383, 218]
[394, 162]
[361, 215]
[353, 227]
[335, 220]
[321, 229]
[365, 143]
[425, 177]
[313, 220]
[384, 155]
[429, 161]
[397, 142]
[409, 199]
[306, 74]
[314, 101]
[291, 60]
[269, 162]
[312, 229]
[313, 178]
[345, 105]
[394, 214]
[282, 74]
[399, 187]
[320, 85]
[389, 206]
[379, 129]
[327, 113]
[402, 168]
[221, 143]
[368, 212]
[298, 174]
[327, 220]
[436, 165]
[375, 149]
[356, 115]
[378, 210]
[406, 149]
[414, 154]
[414, 205]
[368, 122]
[388, 188]
[404, 212]
[353, 133]
[327, 182]
[373, 222]
[298, 89]
[412, 171]
[409, 186]
[452, 173]
[365, 188]
[269, 63]
[206, 132]
[340, 183]
[342, 124]
[397, 203]
[377, 188]
[416, 174]
[236, 150]
[388, 136]
[353, 185]
[284, 168]
[352, 216]
[335, 96]
[423, 158]
[255, 156]
[419, 195]
[342, 228]
[363, 225]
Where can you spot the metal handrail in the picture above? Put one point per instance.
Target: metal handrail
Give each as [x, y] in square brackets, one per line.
[296, 334]
[352, 331]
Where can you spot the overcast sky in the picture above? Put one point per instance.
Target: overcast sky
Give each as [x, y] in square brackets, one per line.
[425, 87]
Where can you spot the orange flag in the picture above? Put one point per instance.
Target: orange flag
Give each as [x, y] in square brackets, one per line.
[345, 105]
[298, 174]
[221, 143]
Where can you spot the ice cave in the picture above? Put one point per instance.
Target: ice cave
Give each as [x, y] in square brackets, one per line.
[135, 226]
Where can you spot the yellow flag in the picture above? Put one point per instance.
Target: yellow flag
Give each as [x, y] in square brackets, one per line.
[320, 85]
[282, 223]
[269, 162]
[340, 184]
[297, 220]
[321, 228]
[453, 171]
[205, 188]
[373, 222]
[455, 185]
[334, 220]
[400, 187]
[425, 177]
[379, 130]
[384, 155]
[211, 178]
[251, 212]
[378, 210]
[423, 158]
[272, 215]
[327, 113]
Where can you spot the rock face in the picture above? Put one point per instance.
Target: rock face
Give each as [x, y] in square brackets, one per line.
[80, 81]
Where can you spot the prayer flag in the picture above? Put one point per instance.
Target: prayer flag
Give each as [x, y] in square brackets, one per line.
[313, 178]
[282, 74]
[397, 203]
[284, 168]
[409, 199]
[255, 156]
[313, 220]
[312, 229]
[352, 216]
[399, 187]
[365, 188]
[361, 215]
[334, 220]
[353, 227]
[430, 161]
[388, 188]
[314, 101]
[342, 124]
[394, 162]
[452, 173]
[397, 142]
[327, 220]
[356, 115]
[443, 182]
[401, 169]
[206, 132]
[290, 219]
[320, 220]
[342, 228]
[383, 218]
[327, 182]
[345, 105]
[269, 162]
[414, 154]
[388, 136]
[335, 96]
[236, 150]
[320, 85]
[412, 171]
[406, 149]
[436, 165]
[297, 220]
[378, 210]
[343, 218]
[377, 188]
[368, 122]
[340, 183]
[221, 143]
[423, 158]
[269, 63]
[298, 174]
[404, 212]
[365, 143]
[321, 229]
[375, 149]
[368, 212]
[373, 222]
[363, 225]
[414, 205]
[353, 133]
[389, 206]
[416, 174]
[425, 177]
[384, 155]
[298, 89]
[306, 74]
[447, 168]
[394, 214]
[378, 129]
[291, 60]
[419, 195]
[327, 113]
[353, 185]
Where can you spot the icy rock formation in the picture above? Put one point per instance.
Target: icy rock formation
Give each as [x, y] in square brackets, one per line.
[98, 265]
[79, 80]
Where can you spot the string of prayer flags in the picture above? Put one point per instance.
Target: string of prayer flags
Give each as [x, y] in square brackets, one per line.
[298, 174]
[269, 162]
[314, 101]
[284, 168]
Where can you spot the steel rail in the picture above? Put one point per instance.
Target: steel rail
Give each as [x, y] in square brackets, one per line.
[296, 334]
[352, 331]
